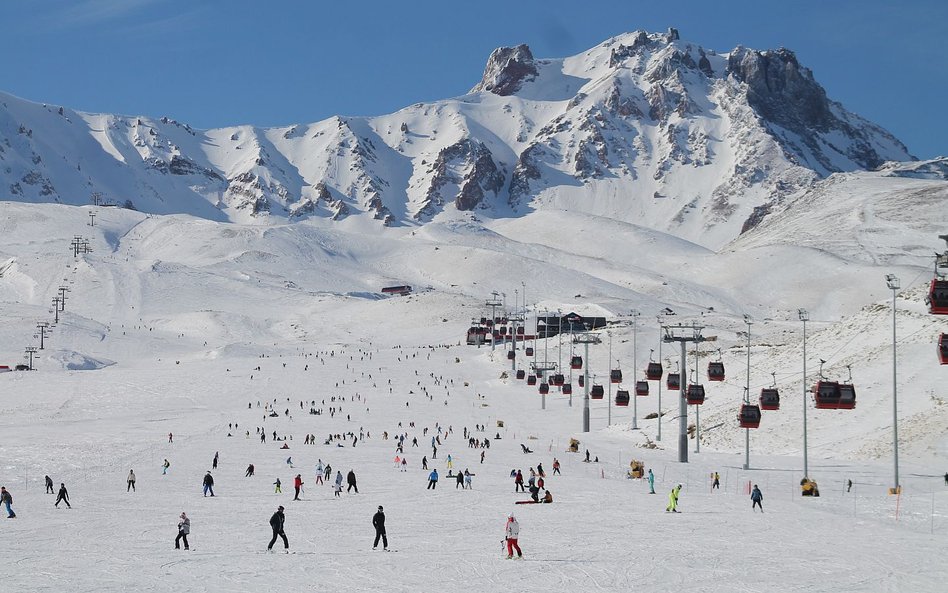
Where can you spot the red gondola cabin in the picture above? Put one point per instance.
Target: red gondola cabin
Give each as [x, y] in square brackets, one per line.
[521, 374]
[653, 372]
[943, 349]
[559, 380]
[847, 397]
[532, 380]
[615, 376]
[673, 382]
[715, 371]
[544, 388]
[529, 351]
[576, 363]
[511, 355]
[622, 397]
[582, 381]
[695, 394]
[938, 297]
[596, 392]
[749, 416]
[826, 394]
[641, 388]
[567, 389]
[769, 398]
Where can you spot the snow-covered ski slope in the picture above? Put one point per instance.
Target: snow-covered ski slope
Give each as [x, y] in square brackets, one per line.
[168, 318]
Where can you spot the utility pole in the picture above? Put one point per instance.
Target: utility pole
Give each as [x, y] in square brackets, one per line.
[75, 244]
[747, 431]
[804, 316]
[96, 198]
[493, 303]
[42, 326]
[635, 398]
[544, 369]
[658, 437]
[894, 285]
[30, 352]
[92, 218]
[680, 333]
[697, 409]
[586, 339]
[56, 308]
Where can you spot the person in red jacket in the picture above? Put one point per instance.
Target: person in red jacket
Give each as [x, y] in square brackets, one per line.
[297, 485]
[518, 482]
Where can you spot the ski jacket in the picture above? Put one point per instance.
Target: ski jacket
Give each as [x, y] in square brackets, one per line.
[757, 495]
[184, 526]
[298, 481]
[6, 497]
[338, 478]
[62, 493]
[673, 496]
[433, 476]
[513, 529]
[276, 521]
[208, 480]
[351, 477]
[131, 476]
[378, 521]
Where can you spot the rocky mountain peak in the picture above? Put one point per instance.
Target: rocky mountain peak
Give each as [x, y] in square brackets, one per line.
[507, 68]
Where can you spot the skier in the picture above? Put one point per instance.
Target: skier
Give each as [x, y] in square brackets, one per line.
[351, 481]
[460, 481]
[433, 480]
[673, 500]
[7, 499]
[49, 485]
[540, 471]
[556, 466]
[214, 463]
[849, 485]
[63, 496]
[404, 464]
[467, 480]
[651, 482]
[289, 461]
[518, 482]
[338, 480]
[378, 521]
[297, 486]
[757, 496]
[512, 533]
[249, 472]
[277, 487]
[165, 466]
[208, 484]
[276, 523]
[170, 438]
[717, 481]
[450, 462]
[131, 481]
[184, 528]
[424, 462]
[587, 455]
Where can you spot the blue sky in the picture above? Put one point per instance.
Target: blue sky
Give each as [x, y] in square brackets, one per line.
[222, 62]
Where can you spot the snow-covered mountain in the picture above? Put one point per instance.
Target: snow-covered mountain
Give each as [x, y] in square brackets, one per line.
[644, 128]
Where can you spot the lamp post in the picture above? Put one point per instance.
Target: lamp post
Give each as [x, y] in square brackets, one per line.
[804, 317]
[747, 431]
[894, 285]
[635, 399]
[658, 436]
[609, 401]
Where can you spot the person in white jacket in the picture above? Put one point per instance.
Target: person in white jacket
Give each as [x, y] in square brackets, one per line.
[131, 480]
[512, 534]
[184, 528]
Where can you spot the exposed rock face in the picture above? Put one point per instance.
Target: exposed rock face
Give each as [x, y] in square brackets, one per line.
[507, 69]
[467, 166]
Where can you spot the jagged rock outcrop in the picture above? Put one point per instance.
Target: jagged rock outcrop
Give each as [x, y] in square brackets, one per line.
[507, 69]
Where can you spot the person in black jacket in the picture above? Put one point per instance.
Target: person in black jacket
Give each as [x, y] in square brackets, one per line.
[378, 521]
[208, 484]
[276, 523]
[49, 485]
[63, 496]
[351, 480]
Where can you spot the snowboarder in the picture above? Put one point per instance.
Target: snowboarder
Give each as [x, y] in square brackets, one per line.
[7, 499]
[433, 480]
[673, 500]
[214, 463]
[208, 484]
[512, 533]
[651, 482]
[276, 523]
[717, 481]
[131, 481]
[249, 472]
[378, 521]
[184, 528]
[351, 481]
[757, 496]
[62, 496]
[297, 486]
[49, 485]
[277, 487]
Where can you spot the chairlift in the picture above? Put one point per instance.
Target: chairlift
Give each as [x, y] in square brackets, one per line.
[532, 380]
[943, 349]
[653, 372]
[695, 394]
[673, 382]
[567, 389]
[615, 376]
[521, 373]
[641, 388]
[559, 380]
[544, 388]
[596, 392]
[622, 397]
[749, 416]
[576, 363]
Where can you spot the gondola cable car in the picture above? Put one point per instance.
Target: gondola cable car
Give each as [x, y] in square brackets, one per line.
[615, 376]
[641, 388]
[749, 416]
[938, 291]
[653, 372]
[596, 392]
[532, 380]
[825, 393]
[576, 362]
[770, 396]
[544, 388]
[567, 389]
[847, 393]
[559, 379]
[622, 397]
[943, 349]
[716, 369]
[521, 373]
[694, 395]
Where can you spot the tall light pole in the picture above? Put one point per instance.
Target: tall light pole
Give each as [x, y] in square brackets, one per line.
[586, 339]
[747, 431]
[635, 398]
[609, 406]
[804, 317]
[893, 283]
[658, 436]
